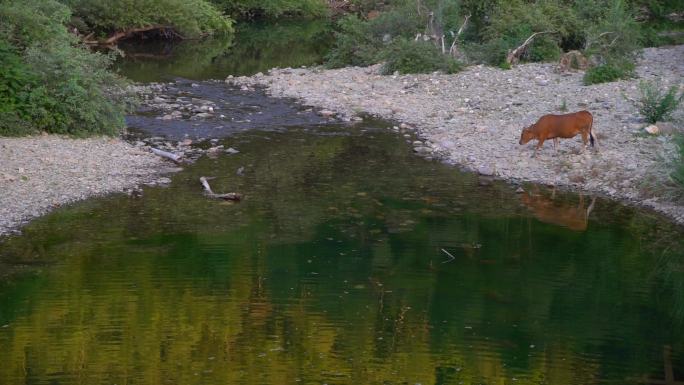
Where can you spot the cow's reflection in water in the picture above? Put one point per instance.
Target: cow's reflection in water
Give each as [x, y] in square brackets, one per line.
[546, 209]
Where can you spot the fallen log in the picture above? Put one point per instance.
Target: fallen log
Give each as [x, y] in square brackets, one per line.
[211, 194]
[167, 155]
[114, 38]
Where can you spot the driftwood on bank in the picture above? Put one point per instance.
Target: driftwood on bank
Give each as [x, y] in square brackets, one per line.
[514, 55]
[167, 155]
[211, 194]
[114, 38]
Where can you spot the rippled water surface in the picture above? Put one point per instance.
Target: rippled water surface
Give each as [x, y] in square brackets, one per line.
[350, 261]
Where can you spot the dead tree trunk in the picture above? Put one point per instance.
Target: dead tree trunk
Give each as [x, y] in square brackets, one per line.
[514, 55]
[453, 49]
[118, 35]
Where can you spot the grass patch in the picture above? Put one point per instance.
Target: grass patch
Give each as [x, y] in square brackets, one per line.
[657, 104]
[609, 72]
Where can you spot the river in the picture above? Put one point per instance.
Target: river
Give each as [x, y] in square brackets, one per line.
[350, 260]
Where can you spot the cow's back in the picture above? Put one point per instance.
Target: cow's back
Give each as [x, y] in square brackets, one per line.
[564, 126]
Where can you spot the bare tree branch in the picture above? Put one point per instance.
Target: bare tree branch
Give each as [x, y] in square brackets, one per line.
[452, 49]
[591, 42]
[514, 55]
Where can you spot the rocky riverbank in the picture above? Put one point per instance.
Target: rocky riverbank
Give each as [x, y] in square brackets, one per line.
[474, 119]
[40, 173]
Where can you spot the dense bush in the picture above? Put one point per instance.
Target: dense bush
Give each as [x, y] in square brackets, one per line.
[49, 83]
[408, 56]
[609, 72]
[514, 21]
[615, 36]
[250, 9]
[191, 18]
[656, 104]
[607, 30]
[15, 80]
[354, 45]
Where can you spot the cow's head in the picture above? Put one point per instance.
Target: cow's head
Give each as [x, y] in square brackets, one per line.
[526, 135]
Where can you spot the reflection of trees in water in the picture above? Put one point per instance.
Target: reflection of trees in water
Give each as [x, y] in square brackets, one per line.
[669, 271]
[331, 271]
[254, 48]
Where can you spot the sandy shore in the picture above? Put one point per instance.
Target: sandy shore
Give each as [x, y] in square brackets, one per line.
[40, 173]
[474, 118]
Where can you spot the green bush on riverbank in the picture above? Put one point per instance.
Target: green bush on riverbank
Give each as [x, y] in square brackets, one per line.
[49, 83]
[252, 9]
[189, 18]
[609, 31]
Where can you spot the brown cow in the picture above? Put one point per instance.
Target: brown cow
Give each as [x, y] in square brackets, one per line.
[559, 126]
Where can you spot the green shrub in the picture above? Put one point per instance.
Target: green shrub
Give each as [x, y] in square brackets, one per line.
[512, 22]
[250, 9]
[360, 42]
[544, 49]
[190, 18]
[50, 83]
[15, 81]
[614, 37]
[408, 56]
[656, 104]
[609, 72]
[354, 45]
[661, 32]
[75, 93]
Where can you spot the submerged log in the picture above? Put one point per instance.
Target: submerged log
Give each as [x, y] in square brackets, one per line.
[228, 197]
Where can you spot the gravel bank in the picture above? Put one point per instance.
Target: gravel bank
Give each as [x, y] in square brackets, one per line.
[474, 119]
[40, 173]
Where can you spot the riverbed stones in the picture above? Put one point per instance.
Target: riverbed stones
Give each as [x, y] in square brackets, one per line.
[452, 110]
[40, 173]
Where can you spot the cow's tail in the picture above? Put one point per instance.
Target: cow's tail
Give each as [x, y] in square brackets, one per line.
[591, 134]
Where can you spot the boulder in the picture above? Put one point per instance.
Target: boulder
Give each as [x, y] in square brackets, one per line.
[573, 60]
[652, 129]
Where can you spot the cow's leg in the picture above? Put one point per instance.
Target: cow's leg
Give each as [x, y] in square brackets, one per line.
[585, 138]
[555, 144]
[540, 142]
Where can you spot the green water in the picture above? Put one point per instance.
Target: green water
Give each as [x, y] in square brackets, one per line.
[332, 271]
[255, 47]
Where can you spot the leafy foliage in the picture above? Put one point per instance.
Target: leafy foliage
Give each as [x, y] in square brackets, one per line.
[48, 82]
[609, 72]
[190, 18]
[615, 36]
[604, 29]
[353, 44]
[250, 9]
[656, 104]
[408, 56]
